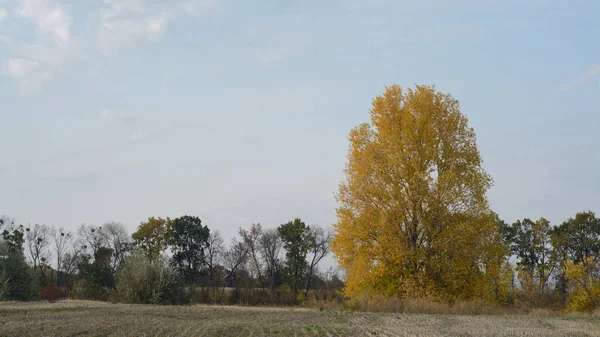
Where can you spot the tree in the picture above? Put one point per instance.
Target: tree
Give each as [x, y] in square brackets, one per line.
[234, 259]
[13, 237]
[250, 240]
[92, 236]
[38, 248]
[576, 245]
[97, 275]
[73, 257]
[143, 281]
[189, 239]
[584, 281]
[115, 237]
[413, 217]
[152, 236]
[530, 243]
[319, 248]
[62, 239]
[270, 246]
[15, 274]
[6, 222]
[296, 237]
[213, 256]
[579, 237]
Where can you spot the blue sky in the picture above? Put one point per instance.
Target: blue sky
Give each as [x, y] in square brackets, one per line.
[238, 111]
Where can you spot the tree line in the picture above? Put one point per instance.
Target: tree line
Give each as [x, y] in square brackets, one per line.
[556, 266]
[166, 260]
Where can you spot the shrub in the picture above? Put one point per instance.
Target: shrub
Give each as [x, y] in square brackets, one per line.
[142, 281]
[85, 290]
[52, 294]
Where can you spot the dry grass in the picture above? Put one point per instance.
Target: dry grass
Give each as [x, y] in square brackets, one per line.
[83, 318]
[379, 303]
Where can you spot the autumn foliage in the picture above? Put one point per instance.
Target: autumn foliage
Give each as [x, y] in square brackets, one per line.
[584, 279]
[414, 219]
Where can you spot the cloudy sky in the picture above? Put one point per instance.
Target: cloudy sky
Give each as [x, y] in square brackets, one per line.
[238, 111]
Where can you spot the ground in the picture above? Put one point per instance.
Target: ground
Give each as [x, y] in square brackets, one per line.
[81, 318]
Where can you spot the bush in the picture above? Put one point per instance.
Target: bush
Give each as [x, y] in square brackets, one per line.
[141, 281]
[85, 290]
[52, 294]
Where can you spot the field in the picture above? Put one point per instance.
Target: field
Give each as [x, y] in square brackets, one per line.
[81, 318]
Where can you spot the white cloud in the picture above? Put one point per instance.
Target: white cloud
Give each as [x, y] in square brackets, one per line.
[41, 52]
[131, 6]
[126, 23]
[119, 25]
[591, 73]
[198, 7]
[35, 62]
[28, 73]
[47, 59]
[49, 16]
[156, 28]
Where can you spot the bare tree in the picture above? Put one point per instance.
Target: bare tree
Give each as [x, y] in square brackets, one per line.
[37, 242]
[71, 259]
[270, 246]
[62, 239]
[92, 236]
[319, 248]
[233, 259]
[115, 236]
[213, 255]
[250, 241]
[6, 222]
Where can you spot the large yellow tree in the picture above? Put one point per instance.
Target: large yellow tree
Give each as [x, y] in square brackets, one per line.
[413, 217]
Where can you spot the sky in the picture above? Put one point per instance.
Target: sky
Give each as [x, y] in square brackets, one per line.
[238, 111]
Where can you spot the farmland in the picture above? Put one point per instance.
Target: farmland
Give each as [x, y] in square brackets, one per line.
[82, 318]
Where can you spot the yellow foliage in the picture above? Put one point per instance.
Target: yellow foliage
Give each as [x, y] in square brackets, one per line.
[414, 220]
[584, 280]
[151, 236]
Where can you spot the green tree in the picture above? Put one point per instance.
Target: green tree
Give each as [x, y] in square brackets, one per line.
[530, 242]
[296, 238]
[97, 274]
[15, 275]
[575, 242]
[152, 236]
[188, 240]
[578, 237]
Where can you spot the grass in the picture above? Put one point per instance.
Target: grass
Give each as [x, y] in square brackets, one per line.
[83, 318]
